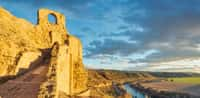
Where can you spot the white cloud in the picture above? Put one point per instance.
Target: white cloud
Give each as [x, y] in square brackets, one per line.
[181, 65]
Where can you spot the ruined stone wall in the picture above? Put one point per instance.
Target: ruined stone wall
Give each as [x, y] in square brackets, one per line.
[79, 76]
[18, 36]
[23, 46]
[71, 77]
[49, 88]
[28, 60]
[63, 70]
[51, 32]
[66, 73]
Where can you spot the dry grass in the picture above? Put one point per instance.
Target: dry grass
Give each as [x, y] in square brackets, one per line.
[190, 80]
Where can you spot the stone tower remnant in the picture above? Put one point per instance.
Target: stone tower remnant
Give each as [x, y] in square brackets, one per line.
[71, 76]
[25, 46]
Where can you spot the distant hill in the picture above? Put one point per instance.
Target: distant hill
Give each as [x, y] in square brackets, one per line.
[116, 74]
[104, 76]
[174, 74]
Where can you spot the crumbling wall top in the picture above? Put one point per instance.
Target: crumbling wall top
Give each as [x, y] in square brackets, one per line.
[43, 17]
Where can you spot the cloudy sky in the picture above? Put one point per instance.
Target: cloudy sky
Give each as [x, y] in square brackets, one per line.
[152, 35]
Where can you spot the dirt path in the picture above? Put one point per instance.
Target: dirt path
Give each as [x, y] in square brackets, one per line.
[26, 86]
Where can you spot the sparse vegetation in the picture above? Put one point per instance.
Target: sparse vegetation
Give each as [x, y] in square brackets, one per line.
[192, 80]
[101, 82]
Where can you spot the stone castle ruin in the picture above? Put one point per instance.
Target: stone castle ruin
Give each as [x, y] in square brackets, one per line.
[25, 47]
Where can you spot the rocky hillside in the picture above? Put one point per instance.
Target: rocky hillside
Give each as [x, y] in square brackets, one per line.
[107, 83]
[174, 74]
[25, 47]
[22, 42]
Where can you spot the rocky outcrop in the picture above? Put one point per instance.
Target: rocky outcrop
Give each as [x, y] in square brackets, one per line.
[24, 46]
[18, 36]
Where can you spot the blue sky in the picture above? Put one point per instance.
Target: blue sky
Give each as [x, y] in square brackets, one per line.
[152, 35]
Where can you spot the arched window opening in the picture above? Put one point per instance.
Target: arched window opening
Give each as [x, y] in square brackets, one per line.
[52, 19]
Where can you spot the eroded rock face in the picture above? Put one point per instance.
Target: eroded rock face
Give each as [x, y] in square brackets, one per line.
[24, 46]
[15, 37]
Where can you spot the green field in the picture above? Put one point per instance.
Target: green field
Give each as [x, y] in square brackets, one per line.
[192, 80]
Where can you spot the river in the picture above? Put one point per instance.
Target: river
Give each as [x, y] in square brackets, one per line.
[134, 92]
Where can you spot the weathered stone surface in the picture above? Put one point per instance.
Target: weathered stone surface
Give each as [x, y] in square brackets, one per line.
[15, 37]
[27, 60]
[79, 76]
[24, 46]
[18, 35]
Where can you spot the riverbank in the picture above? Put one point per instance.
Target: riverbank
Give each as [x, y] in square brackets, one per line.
[110, 84]
[165, 89]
